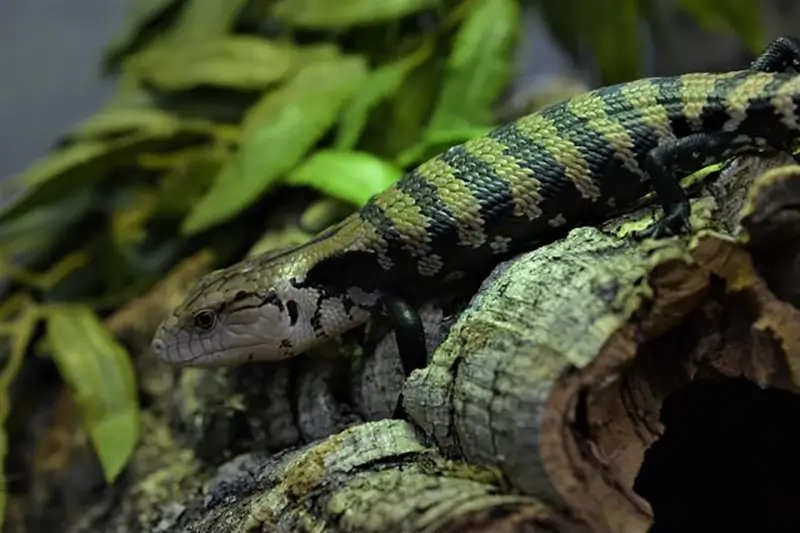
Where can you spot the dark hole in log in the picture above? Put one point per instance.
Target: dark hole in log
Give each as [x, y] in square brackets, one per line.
[729, 459]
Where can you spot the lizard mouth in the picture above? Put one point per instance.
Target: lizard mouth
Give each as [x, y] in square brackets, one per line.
[173, 354]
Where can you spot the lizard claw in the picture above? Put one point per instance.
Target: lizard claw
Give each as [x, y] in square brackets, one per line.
[674, 222]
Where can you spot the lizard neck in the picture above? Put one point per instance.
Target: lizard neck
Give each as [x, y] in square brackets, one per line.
[348, 258]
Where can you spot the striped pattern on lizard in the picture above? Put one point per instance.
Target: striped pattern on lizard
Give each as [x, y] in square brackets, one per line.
[463, 211]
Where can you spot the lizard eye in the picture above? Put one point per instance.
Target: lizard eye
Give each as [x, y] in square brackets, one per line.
[205, 319]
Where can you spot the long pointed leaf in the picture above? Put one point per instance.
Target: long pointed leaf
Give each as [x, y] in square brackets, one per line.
[479, 67]
[322, 14]
[277, 133]
[349, 176]
[383, 83]
[100, 374]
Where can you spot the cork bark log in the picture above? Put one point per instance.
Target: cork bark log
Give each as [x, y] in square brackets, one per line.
[534, 412]
[556, 373]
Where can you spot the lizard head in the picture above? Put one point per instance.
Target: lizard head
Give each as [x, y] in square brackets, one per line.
[258, 309]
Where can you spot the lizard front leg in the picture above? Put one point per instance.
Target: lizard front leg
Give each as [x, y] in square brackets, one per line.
[410, 337]
[663, 165]
[662, 162]
[408, 332]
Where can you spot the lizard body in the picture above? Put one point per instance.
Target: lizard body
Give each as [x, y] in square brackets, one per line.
[481, 201]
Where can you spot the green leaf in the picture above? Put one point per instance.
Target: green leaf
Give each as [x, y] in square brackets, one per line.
[100, 374]
[609, 29]
[454, 136]
[142, 14]
[120, 121]
[383, 83]
[131, 208]
[133, 257]
[277, 132]
[82, 164]
[16, 337]
[612, 29]
[242, 62]
[405, 122]
[742, 16]
[181, 188]
[349, 176]
[322, 213]
[479, 67]
[319, 14]
[130, 92]
[187, 23]
[201, 21]
[46, 219]
[60, 162]
[315, 53]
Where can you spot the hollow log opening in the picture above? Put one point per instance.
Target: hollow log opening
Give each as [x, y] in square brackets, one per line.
[697, 430]
[726, 457]
[727, 460]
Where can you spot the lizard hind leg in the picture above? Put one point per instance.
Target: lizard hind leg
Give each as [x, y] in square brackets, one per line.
[780, 54]
[665, 164]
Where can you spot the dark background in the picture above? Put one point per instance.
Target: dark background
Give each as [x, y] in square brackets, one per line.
[49, 71]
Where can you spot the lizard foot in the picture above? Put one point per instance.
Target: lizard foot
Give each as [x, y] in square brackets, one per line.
[674, 222]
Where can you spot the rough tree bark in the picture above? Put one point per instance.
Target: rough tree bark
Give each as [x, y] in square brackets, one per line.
[533, 414]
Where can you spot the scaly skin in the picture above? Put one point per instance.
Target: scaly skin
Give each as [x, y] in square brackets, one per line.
[461, 212]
